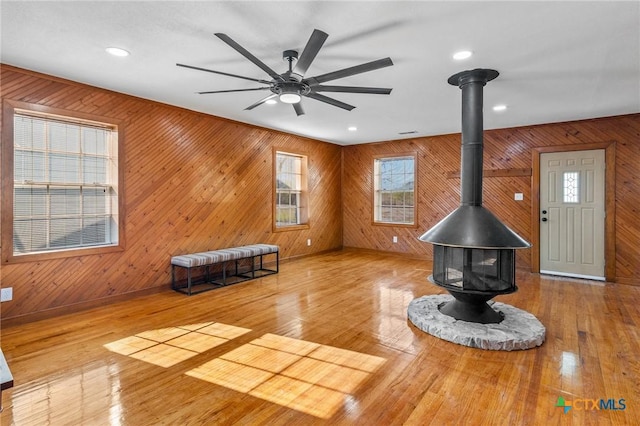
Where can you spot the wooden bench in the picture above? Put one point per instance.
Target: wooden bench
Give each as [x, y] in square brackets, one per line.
[205, 260]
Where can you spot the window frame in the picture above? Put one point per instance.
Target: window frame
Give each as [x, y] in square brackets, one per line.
[303, 201]
[376, 158]
[10, 108]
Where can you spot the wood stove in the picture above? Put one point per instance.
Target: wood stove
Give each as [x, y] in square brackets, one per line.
[474, 252]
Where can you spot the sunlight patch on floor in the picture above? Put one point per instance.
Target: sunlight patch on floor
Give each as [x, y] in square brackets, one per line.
[305, 376]
[166, 347]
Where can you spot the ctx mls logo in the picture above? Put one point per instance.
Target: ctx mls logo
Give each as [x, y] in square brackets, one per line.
[562, 403]
[591, 404]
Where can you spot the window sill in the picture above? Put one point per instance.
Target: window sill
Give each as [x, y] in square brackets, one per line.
[291, 228]
[60, 254]
[395, 224]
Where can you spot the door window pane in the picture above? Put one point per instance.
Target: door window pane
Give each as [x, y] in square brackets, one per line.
[570, 182]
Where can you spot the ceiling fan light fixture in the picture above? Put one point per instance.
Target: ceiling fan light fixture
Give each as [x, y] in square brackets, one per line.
[271, 102]
[289, 92]
[290, 98]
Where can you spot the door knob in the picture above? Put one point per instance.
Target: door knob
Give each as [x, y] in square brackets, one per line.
[544, 219]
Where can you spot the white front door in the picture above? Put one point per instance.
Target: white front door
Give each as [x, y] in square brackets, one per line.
[572, 213]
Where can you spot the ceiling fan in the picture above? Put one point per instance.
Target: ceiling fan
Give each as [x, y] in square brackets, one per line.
[292, 85]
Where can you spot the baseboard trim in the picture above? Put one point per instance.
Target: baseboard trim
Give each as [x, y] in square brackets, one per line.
[391, 253]
[81, 306]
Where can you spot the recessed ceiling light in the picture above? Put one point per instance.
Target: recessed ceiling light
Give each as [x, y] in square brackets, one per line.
[499, 108]
[271, 101]
[463, 54]
[116, 51]
[352, 128]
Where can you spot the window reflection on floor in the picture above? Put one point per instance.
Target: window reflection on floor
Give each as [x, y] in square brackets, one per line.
[309, 377]
[169, 346]
[305, 376]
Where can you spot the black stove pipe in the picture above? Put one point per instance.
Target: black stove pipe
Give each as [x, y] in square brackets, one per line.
[471, 83]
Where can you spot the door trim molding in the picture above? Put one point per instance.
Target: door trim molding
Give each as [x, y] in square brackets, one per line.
[609, 202]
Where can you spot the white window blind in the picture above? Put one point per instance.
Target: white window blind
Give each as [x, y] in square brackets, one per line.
[64, 185]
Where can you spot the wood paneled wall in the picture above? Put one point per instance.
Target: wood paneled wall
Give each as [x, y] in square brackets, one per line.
[506, 151]
[196, 182]
[193, 182]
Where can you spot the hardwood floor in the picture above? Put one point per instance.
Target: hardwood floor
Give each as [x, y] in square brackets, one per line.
[325, 341]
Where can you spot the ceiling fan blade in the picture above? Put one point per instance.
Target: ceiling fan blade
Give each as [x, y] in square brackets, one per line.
[351, 89]
[346, 72]
[260, 102]
[309, 52]
[232, 90]
[224, 73]
[244, 52]
[330, 101]
[298, 108]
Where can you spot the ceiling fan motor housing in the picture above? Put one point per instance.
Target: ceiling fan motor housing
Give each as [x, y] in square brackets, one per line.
[280, 88]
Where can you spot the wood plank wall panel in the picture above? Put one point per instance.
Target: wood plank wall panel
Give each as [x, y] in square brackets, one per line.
[504, 149]
[193, 182]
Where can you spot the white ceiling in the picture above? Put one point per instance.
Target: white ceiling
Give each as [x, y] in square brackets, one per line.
[558, 61]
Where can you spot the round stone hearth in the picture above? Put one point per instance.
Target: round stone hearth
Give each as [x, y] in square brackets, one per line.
[519, 329]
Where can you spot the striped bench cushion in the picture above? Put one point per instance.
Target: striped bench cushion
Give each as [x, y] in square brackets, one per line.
[217, 256]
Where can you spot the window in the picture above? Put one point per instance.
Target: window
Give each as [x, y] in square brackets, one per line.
[65, 184]
[290, 190]
[394, 188]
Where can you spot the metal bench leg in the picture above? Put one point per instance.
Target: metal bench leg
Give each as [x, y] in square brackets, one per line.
[189, 281]
[224, 273]
[253, 266]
